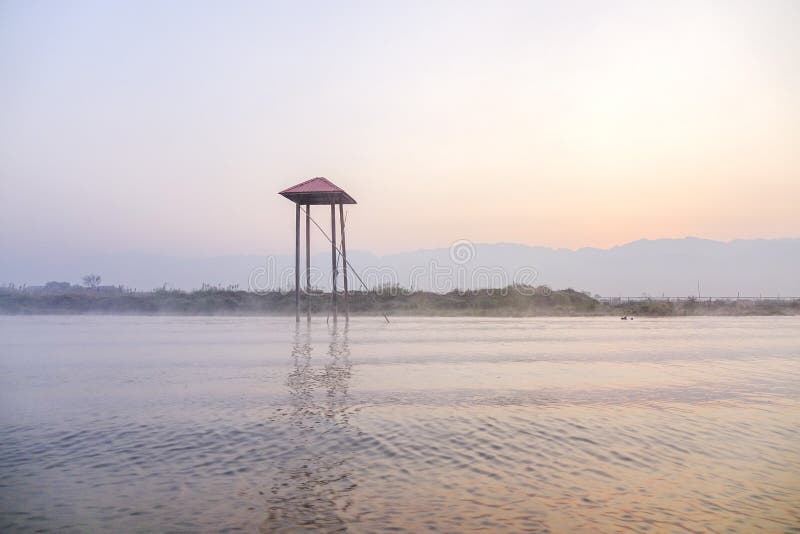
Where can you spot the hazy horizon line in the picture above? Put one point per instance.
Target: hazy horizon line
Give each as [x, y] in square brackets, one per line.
[423, 249]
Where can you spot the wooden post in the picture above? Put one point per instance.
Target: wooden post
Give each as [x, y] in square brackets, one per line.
[297, 261]
[308, 262]
[344, 264]
[333, 259]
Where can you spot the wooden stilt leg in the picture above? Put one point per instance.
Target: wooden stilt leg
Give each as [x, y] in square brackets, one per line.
[333, 259]
[308, 262]
[344, 265]
[297, 262]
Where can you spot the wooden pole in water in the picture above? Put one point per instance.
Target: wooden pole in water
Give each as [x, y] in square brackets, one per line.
[297, 261]
[344, 264]
[308, 262]
[333, 259]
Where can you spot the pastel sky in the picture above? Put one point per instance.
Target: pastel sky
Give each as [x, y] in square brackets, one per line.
[169, 127]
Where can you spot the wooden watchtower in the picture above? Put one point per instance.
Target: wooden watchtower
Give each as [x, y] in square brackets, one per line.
[318, 191]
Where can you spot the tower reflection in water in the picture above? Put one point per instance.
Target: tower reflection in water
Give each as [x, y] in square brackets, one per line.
[312, 486]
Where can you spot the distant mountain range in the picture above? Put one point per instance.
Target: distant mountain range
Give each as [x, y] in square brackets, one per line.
[672, 267]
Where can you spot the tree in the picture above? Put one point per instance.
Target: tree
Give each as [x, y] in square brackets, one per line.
[91, 281]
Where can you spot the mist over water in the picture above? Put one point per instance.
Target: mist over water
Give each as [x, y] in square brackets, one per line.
[554, 424]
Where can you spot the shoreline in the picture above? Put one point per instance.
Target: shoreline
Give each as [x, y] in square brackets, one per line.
[533, 302]
[379, 316]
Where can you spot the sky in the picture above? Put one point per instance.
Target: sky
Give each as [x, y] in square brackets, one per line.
[169, 127]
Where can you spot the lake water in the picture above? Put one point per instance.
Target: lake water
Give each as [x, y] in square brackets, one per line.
[557, 424]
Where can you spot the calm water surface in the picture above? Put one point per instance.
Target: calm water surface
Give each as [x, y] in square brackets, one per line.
[561, 425]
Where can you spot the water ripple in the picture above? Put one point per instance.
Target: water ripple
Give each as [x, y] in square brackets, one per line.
[318, 432]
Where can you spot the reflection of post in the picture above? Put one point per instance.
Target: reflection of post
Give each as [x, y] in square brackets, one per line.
[344, 264]
[336, 377]
[301, 379]
[311, 485]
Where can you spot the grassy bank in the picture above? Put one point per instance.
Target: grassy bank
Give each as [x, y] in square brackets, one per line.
[515, 302]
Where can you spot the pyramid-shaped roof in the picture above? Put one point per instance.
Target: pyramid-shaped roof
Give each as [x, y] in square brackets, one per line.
[317, 191]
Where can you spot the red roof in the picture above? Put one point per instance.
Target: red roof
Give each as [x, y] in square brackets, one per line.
[317, 191]
[314, 185]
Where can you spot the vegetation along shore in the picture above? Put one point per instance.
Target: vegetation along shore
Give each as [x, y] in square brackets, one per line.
[63, 298]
